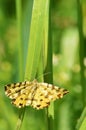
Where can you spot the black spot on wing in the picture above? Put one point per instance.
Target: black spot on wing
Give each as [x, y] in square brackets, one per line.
[38, 105]
[21, 98]
[5, 88]
[20, 104]
[41, 99]
[65, 91]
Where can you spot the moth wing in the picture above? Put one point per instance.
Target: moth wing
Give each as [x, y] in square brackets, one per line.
[15, 89]
[20, 93]
[46, 93]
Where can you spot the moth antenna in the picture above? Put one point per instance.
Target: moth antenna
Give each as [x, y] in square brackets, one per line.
[43, 75]
[39, 76]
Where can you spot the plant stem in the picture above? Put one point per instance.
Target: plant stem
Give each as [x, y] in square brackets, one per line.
[20, 51]
[20, 118]
[81, 52]
[49, 78]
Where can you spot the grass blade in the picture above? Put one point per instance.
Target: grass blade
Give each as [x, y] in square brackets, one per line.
[35, 40]
[20, 50]
[48, 62]
[20, 44]
[20, 118]
[81, 48]
[81, 125]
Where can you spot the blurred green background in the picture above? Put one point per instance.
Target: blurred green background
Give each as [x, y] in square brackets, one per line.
[69, 62]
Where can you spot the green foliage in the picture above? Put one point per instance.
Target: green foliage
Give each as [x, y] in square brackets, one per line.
[81, 125]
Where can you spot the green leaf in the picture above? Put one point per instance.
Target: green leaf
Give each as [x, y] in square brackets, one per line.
[35, 39]
[81, 125]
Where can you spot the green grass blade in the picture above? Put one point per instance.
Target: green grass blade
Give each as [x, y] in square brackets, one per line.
[35, 39]
[51, 116]
[26, 20]
[48, 45]
[20, 51]
[81, 48]
[48, 61]
[21, 48]
[81, 125]
[20, 119]
[20, 44]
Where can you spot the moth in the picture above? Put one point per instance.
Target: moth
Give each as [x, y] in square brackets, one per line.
[38, 95]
